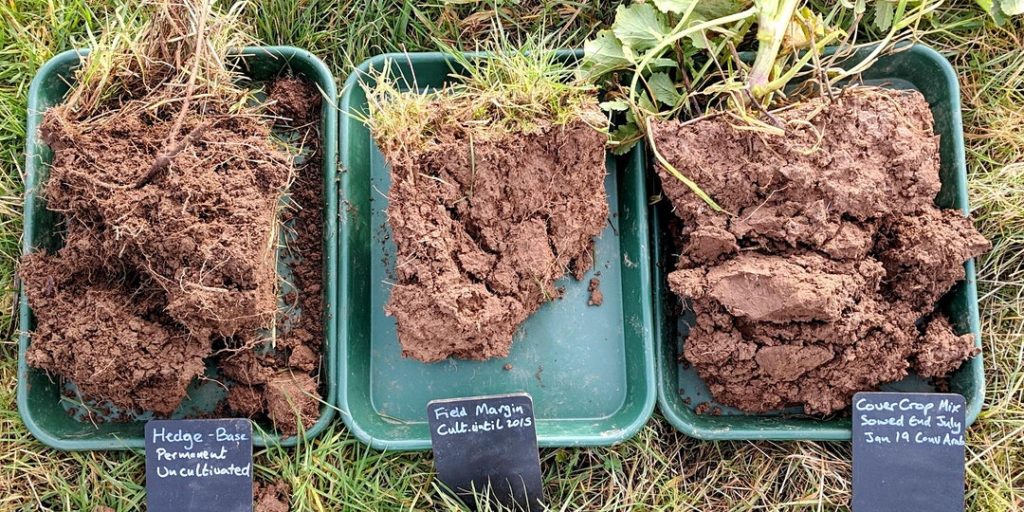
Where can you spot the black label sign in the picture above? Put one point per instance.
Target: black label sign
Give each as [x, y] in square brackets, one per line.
[908, 452]
[199, 465]
[488, 444]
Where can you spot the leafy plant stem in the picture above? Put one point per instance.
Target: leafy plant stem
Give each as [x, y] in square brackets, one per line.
[675, 172]
[773, 19]
[676, 36]
[781, 81]
[885, 43]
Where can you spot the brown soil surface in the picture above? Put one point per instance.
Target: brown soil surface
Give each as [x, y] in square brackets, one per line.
[298, 354]
[295, 101]
[271, 497]
[153, 279]
[823, 280]
[483, 231]
[292, 399]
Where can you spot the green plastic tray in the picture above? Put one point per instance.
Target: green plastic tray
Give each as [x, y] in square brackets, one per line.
[590, 370]
[681, 390]
[39, 396]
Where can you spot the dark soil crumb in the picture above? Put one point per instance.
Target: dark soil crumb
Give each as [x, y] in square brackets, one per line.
[939, 351]
[156, 274]
[702, 408]
[196, 231]
[246, 400]
[98, 332]
[483, 230]
[271, 497]
[295, 100]
[303, 358]
[292, 398]
[814, 288]
[596, 297]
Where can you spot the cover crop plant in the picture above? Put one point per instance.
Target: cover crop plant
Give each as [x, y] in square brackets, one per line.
[679, 58]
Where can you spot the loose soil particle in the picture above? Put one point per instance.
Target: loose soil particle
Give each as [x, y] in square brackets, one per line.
[152, 280]
[483, 229]
[824, 279]
[596, 297]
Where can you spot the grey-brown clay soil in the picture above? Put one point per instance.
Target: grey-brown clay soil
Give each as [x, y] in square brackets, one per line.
[154, 279]
[484, 230]
[823, 279]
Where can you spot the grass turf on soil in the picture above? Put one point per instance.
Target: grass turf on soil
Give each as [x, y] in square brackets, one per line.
[659, 469]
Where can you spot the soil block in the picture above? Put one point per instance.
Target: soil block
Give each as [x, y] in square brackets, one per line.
[127, 307]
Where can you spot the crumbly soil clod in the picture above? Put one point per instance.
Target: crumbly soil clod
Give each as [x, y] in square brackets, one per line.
[292, 400]
[271, 496]
[815, 286]
[152, 279]
[596, 297]
[483, 229]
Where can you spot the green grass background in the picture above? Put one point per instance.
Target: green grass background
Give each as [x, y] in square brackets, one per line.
[659, 469]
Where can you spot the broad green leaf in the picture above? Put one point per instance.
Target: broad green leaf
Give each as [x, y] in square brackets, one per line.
[674, 6]
[712, 9]
[884, 11]
[1012, 7]
[1000, 9]
[640, 26]
[994, 9]
[631, 55]
[645, 103]
[662, 62]
[623, 138]
[603, 54]
[697, 39]
[612, 464]
[858, 6]
[614, 106]
[705, 10]
[664, 89]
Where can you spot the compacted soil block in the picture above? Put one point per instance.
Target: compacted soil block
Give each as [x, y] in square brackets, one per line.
[823, 277]
[479, 252]
[194, 290]
[483, 230]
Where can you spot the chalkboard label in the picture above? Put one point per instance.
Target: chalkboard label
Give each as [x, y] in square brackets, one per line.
[199, 465]
[908, 452]
[488, 444]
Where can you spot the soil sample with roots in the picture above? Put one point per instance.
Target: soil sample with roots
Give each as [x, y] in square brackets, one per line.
[497, 191]
[172, 193]
[822, 279]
